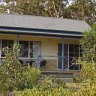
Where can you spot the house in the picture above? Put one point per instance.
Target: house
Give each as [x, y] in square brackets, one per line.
[53, 41]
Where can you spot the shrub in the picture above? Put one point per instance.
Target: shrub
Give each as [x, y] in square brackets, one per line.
[57, 91]
[29, 78]
[88, 45]
[13, 76]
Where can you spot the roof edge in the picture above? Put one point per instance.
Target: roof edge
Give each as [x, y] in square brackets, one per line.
[30, 31]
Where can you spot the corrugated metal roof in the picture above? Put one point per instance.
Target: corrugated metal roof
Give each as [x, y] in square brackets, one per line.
[38, 22]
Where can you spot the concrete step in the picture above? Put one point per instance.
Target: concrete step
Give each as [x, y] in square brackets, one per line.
[67, 80]
[66, 75]
[58, 74]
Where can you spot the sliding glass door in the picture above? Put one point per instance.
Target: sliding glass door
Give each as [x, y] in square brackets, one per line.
[74, 53]
[71, 52]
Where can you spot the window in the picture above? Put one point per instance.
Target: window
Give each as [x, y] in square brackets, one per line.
[23, 48]
[74, 50]
[30, 49]
[71, 52]
[27, 49]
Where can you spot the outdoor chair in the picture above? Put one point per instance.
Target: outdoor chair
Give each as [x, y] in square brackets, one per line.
[43, 63]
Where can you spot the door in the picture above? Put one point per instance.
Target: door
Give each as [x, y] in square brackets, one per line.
[65, 56]
[74, 53]
[36, 49]
[37, 53]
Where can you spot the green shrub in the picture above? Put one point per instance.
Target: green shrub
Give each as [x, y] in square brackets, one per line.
[13, 76]
[88, 45]
[57, 91]
[47, 86]
[29, 78]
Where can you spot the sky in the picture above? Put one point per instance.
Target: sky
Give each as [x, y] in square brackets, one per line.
[70, 1]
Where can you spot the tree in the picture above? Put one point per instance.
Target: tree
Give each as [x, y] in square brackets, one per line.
[50, 8]
[84, 10]
[54, 8]
[28, 7]
[88, 44]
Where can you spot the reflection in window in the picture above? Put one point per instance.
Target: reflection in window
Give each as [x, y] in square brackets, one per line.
[74, 50]
[6, 43]
[23, 48]
[27, 49]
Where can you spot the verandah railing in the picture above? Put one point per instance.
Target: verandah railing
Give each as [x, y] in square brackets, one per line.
[44, 61]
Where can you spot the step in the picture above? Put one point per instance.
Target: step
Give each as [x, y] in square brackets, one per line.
[58, 74]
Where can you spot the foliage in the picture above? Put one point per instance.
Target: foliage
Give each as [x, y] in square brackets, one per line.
[11, 70]
[30, 77]
[84, 10]
[88, 75]
[50, 8]
[88, 72]
[13, 76]
[51, 81]
[88, 44]
[41, 92]
[88, 90]
[28, 7]
[47, 88]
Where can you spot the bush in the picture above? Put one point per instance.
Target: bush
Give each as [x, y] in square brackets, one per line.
[88, 45]
[47, 86]
[29, 78]
[13, 76]
[57, 91]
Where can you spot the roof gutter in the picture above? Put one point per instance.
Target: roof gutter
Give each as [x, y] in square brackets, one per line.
[30, 31]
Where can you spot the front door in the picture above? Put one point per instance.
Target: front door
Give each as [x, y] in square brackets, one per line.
[37, 53]
[36, 49]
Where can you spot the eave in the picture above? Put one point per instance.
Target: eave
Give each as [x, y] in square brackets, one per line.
[40, 32]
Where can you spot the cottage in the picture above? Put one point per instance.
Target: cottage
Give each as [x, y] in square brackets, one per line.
[48, 43]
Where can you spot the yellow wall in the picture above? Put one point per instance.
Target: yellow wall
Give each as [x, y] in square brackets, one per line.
[49, 46]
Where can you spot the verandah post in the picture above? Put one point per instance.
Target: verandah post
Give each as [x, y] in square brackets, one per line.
[18, 38]
[63, 53]
[0, 51]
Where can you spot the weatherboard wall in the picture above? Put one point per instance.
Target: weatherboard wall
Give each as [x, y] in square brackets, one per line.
[49, 47]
